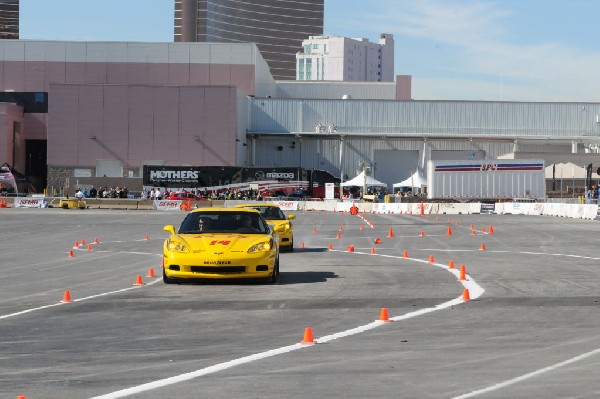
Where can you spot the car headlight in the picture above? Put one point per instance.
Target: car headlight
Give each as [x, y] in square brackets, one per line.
[260, 247]
[286, 226]
[176, 246]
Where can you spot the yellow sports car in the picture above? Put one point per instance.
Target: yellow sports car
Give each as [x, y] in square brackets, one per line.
[276, 217]
[222, 243]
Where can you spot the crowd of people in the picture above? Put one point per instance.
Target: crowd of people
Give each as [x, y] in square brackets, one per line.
[102, 192]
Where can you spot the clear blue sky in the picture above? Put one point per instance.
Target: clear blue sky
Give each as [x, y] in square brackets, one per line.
[517, 50]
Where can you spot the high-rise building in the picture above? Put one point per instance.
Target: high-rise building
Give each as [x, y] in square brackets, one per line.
[342, 58]
[278, 27]
[9, 19]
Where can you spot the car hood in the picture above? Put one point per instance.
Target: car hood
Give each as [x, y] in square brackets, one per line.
[220, 243]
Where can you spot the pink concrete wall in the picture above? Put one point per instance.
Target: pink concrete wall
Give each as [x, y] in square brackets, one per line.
[177, 124]
[404, 87]
[38, 75]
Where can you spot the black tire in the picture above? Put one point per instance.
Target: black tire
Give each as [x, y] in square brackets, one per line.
[167, 279]
[275, 276]
[65, 206]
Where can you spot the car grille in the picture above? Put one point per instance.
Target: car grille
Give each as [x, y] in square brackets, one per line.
[218, 270]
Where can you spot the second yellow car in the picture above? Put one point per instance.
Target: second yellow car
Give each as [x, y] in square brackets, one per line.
[273, 214]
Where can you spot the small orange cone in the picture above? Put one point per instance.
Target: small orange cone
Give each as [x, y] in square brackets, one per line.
[146, 237]
[302, 244]
[456, 222]
[431, 260]
[466, 296]
[483, 229]
[341, 228]
[372, 250]
[350, 248]
[482, 247]
[21, 397]
[473, 233]
[463, 273]
[71, 254]
[330, 246]
[449, 221]
[314, 229]
[362, 227]
[471, 227]
[138, 280]
[89, 247]
[491, 229]
[96, 241]
[422, 234]
[449, 232]
[451, 264]
[308, 336]
[384, 316]
[405, 254]
[82, 242]
[67, 296]
[151, 273]
[390, 233]
[378, 241]
[76, 245]
[337, 235]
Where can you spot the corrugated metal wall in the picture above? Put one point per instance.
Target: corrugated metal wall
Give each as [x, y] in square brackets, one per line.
[427, 117]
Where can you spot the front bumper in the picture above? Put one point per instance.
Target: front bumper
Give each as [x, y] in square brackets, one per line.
[192, 266]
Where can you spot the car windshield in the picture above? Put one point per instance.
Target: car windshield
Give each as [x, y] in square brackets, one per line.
[270, 212]
[223, 222]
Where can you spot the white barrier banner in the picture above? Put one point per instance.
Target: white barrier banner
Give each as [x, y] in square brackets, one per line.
[175, 205]
[30, 203]
[286, 205]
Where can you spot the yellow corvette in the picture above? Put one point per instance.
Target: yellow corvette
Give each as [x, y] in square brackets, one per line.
[276, 217]
[222, 243]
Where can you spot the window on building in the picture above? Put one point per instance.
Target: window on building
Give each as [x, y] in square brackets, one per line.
[308, 68]
[307, 49]
[323, 69]
[324, 48]
[315, 46]
[301, 69]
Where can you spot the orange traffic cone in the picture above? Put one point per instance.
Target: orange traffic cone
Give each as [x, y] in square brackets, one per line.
[483, 229]
[350, 248]
[491, 229]
[89, 247]
[151, 273]
[96, 241]
[451, 264]
[83, 242]
[71, 254]
[67, 296]
[341, 228]
[384, 316]
[372, 250]
[431, 260]
[21, 397]
[463, 273]
[337, 235]
[302, 244]
[362, 227]
[390, 233]
[473, 233]
[449, 232]
[422, 234]
[138, 280]
[482, 247]
[308, 336]
[314, 229]
[76, 245]
[330, 246]
[146, 237]
[449, 221]
[378, 241]
[471, 227]
[466, 296]
[456, 222]
[405, 254]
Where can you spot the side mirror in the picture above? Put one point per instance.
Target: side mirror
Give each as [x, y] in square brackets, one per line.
[169, 228]
[291, 216]
[279, 228]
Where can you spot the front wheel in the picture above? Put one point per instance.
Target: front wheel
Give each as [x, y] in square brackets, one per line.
[167, 279]
[275, 276]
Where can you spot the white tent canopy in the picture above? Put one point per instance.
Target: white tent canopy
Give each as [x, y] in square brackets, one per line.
[569, 171]
[359, 181]
[416, 180]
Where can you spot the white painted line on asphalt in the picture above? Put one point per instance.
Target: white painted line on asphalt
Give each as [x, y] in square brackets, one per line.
[474, 289]
[528, 375]
[76, 300]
